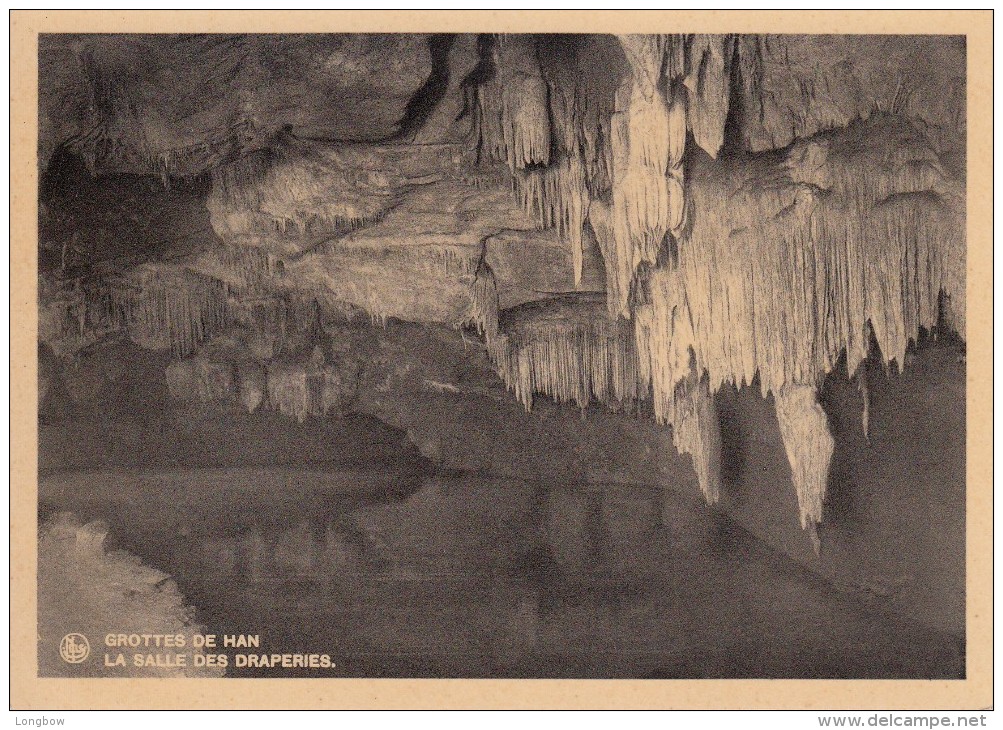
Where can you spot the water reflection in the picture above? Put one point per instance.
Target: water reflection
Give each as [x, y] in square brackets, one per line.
[465, 575]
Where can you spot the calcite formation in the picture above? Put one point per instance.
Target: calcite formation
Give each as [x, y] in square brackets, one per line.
[627, 220]
[164, 308]
[305, 388]
[567, 349]
[767, 267]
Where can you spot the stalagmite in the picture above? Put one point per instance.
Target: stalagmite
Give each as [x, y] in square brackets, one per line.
[253, 384]
[306, 388]
[200, 379]
[287, 390]
[809, 445]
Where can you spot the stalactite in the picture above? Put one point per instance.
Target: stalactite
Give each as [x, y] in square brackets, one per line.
[525, 122]
[558, 117]
[513, 119]
[557, 198]
[569, 350]
[490, 126]
[555, 188]
[176, 309]
[666, 370]
[787, 266]
[484, 304]
[580, 110]
[696, 431]
[776, 269]
[809, 445]
[665, 340]
[676, 82]
[708, 85]
[616, 257]
[677, 131]
[646, 54]
[778, 279]
[565, 109]
[641, 147]
[647, 145]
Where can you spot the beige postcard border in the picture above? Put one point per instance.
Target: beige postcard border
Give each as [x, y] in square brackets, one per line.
[30, 692]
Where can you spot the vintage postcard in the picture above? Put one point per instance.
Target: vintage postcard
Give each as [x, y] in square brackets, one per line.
[647, 353]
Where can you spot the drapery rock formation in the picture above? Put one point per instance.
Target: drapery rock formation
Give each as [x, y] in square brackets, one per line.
[635, 221]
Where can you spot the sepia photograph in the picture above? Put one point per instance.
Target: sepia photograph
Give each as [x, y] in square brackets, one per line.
[502, 355]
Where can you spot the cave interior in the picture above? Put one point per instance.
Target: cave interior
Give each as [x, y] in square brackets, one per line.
[500, 355]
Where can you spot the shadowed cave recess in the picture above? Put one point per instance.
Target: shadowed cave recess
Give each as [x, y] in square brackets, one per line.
[507, 355]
